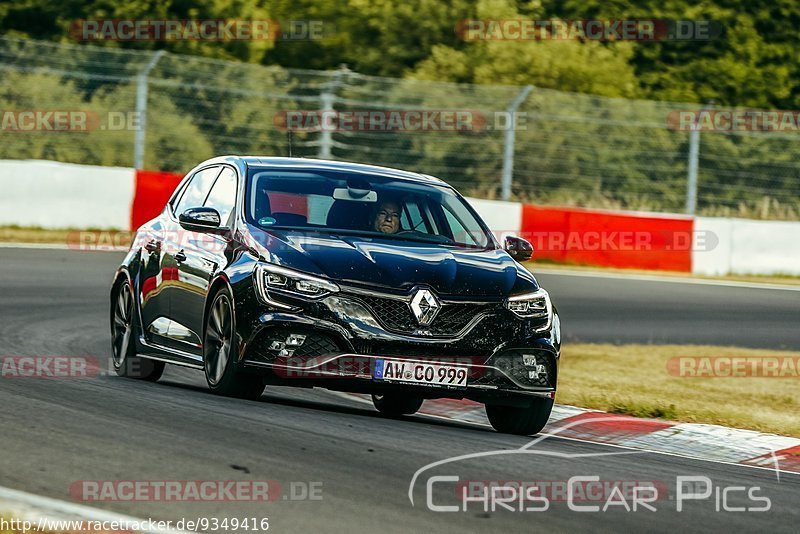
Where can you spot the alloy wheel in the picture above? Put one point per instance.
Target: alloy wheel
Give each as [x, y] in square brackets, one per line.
[219, 336]
[123, 324]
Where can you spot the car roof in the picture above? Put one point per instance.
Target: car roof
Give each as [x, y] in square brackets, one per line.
[255, 162]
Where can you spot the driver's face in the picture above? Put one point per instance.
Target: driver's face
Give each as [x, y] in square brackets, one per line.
[387, 219]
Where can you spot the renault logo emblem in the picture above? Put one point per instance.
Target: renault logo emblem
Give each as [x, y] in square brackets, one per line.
[425, 306]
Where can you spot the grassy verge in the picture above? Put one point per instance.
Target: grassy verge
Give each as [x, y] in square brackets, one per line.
[635, 380]
[72, 237]
[15, 234]
[11, 525]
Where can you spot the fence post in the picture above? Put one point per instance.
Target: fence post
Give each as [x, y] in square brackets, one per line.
[694, 157]
[691, 178]
[141, 109]
[508, 148]
[327, 99]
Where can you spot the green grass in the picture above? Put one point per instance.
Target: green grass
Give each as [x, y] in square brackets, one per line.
[634, 380]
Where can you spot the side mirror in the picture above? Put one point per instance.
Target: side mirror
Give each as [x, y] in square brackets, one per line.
[200, 219]
[518, 248]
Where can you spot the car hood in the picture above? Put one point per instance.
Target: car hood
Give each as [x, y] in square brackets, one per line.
[397, 265]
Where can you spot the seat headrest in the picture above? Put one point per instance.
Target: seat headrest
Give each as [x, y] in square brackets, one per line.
[349, 215]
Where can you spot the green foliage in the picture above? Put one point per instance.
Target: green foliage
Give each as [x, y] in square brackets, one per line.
[754, 62]
[173, 142]
[586, 141]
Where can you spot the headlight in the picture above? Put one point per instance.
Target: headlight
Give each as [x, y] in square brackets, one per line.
[534, 305]
[273, 281]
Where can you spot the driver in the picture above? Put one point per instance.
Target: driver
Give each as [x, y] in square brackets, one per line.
[387, 217]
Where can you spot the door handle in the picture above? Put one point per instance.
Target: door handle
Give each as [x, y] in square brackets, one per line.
[180, 256]
[152, 245]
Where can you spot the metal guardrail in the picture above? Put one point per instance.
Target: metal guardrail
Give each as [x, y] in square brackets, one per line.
[167, 111]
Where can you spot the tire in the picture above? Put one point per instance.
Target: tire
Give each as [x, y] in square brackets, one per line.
[520, 421]
[123, 344]
[220, 352]
[394, 405]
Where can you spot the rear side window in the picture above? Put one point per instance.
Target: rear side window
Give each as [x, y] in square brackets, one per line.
[416, 218]
[223, 195]
[459, 230]
[196, 192]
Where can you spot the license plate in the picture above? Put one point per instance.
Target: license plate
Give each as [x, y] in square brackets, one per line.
[418, 373]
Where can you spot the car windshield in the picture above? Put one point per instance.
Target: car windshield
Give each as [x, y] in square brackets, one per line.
[362, 204]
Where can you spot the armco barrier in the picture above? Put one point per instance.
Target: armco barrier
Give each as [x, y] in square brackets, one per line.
[49, 194]
[748, 247]
[59, 195]
[609, 239]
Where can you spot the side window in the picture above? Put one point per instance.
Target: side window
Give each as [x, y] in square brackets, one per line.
[416, 217]
[196, 192]
[411, 217]
[460, 233]
[223, 195]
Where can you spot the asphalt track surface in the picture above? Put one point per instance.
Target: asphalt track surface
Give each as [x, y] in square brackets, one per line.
[54, 432]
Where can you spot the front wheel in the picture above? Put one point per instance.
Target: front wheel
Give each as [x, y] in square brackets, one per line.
[123, 345]
[521, 421]
[220, 352]
[394, 405]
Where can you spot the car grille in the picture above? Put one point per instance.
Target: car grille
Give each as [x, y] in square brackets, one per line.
[421, 352]
[396, 316]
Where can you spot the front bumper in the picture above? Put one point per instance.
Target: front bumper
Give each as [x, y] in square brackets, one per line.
[341, 341]
[356, 372]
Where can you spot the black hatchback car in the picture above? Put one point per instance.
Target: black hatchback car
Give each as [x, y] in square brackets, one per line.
[351, 277]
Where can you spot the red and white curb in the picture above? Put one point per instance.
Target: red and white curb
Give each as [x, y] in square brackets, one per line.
[54, 515]
[705, 442]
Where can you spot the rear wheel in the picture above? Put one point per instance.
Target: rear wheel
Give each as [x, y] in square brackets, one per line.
[393, 404]
[123, 345]
[220, 353]
[521, 421]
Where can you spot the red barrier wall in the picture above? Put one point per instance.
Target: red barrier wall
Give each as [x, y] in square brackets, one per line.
[565, 235]
[152, 191]
[610, 239]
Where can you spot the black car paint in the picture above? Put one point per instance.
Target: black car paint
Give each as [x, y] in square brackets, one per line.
[203, 261]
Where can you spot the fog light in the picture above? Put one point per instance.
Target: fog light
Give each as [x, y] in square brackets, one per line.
[295, 340]
[539, 372]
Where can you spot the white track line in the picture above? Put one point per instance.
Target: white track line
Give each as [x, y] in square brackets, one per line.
[60, 246]
[33, 507]
[43, 246]
[667, 279]
[600, 444]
